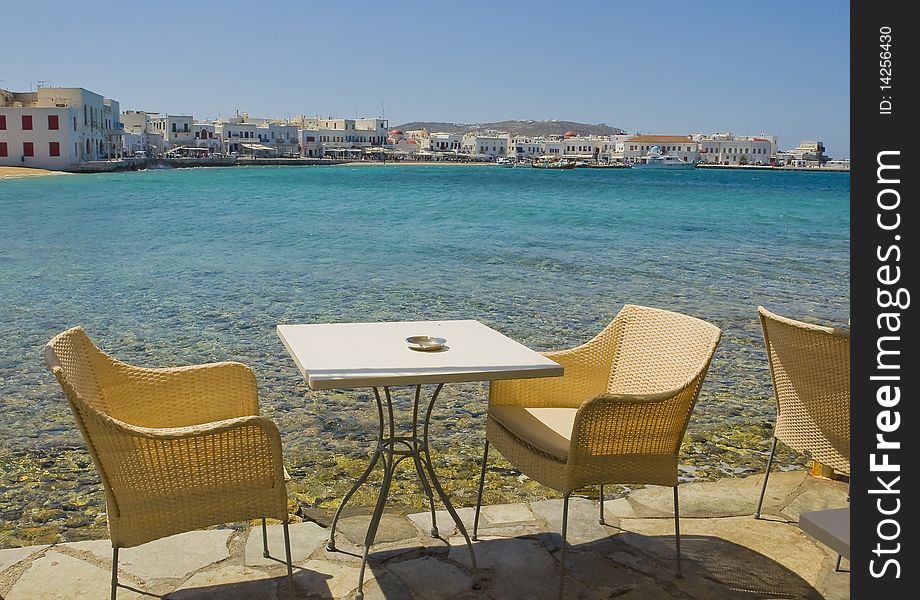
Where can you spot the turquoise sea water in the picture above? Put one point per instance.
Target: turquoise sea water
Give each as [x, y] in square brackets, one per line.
[188, 266]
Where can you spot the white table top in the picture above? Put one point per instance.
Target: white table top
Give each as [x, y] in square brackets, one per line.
[350, 355]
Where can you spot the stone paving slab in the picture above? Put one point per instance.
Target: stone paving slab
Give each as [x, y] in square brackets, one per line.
[231, 582]
[708, 499]
[326, 579]
[176, 556]
[57, 575]
[306, 538]
[584, 519]
[12, 556]
[725, 555]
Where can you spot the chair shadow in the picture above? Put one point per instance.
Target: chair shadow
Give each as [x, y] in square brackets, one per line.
[622, 563]
[739, 570]
[307, 585]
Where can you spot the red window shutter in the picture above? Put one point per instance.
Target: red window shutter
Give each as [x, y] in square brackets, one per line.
[53, 123]
[26, 122]
[2, 122]
[28, 148]
[3, 150]
[54, 148]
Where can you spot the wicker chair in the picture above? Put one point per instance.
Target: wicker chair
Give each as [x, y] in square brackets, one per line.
[618, 415]
[177, 449]
[810, 367]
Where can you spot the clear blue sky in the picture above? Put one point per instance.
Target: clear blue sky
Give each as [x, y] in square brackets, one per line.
[780, 68]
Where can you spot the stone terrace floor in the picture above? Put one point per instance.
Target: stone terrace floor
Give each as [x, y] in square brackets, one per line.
[727, 553]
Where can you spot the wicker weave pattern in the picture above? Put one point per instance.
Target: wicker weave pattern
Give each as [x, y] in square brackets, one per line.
[635, 386]
[177, 449]
[810, 366]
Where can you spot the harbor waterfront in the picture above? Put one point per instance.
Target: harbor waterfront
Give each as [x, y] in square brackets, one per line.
[184, 266]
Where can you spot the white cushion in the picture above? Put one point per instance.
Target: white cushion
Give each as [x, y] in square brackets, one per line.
[547, 429]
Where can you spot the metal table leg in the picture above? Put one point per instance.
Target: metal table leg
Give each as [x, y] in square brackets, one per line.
[393, 450]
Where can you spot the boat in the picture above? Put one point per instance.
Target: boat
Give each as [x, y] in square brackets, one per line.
[549, 162]
[504, 161]
[655, 159]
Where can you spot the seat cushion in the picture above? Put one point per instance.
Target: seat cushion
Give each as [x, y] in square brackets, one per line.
[546, 429]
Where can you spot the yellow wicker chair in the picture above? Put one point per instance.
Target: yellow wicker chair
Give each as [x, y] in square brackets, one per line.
[177, 449]
[618, 415]
[810, 367]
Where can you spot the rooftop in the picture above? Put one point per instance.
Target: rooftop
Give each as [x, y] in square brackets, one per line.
[661, 139]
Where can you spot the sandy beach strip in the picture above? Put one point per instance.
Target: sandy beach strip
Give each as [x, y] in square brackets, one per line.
[17, 172]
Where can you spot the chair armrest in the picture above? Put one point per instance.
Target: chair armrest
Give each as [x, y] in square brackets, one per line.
[586, 371]
[213, 456]
[183, 396]
[610, 424]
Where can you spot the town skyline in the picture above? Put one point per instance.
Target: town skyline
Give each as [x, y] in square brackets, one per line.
[715, 67]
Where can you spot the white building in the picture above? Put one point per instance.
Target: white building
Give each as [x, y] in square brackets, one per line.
[525, 146]
[421, 137]
[284, 138]
[809, 153]
[491, 145]
[441, 141]
[553, 146]
[234, 135]
[57, 128]
[136, 140]
[730, 149]
[581, 147]
[681, 146]
[336, 133]
[206, 136]
[175, 129]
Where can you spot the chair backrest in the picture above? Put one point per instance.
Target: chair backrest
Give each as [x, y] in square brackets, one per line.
[84, 373]
[86, 369]
[810, 367]
[658, 350]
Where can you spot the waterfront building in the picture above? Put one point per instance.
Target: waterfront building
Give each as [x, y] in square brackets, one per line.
[442, 141]
[637, 147]
[310, 146]
[206, 136]
[284, 138]
[581, 147]
[492, 145]
[136, 139]
[175, 129]
[421, 137]
[57, 128]
[234, 133]
[809, 153]
[525, 146]
[553, 146]
[731, 149]
[336, 134]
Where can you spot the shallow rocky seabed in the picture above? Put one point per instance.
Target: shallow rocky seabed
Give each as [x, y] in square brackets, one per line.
[173, 268]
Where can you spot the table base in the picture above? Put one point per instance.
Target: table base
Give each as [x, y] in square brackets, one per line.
[393, 449]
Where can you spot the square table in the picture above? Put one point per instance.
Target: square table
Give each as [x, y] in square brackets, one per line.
[375, 355]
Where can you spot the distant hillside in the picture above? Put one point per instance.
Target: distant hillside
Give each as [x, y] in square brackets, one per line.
[532, 128]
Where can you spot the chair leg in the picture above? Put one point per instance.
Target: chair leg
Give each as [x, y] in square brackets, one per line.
[482, 481]
[837, 566]
[114, 571]
[601, 520]
[287, 554]
[763, 488]
[680, 572]
[264, 539]
[565, 524]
